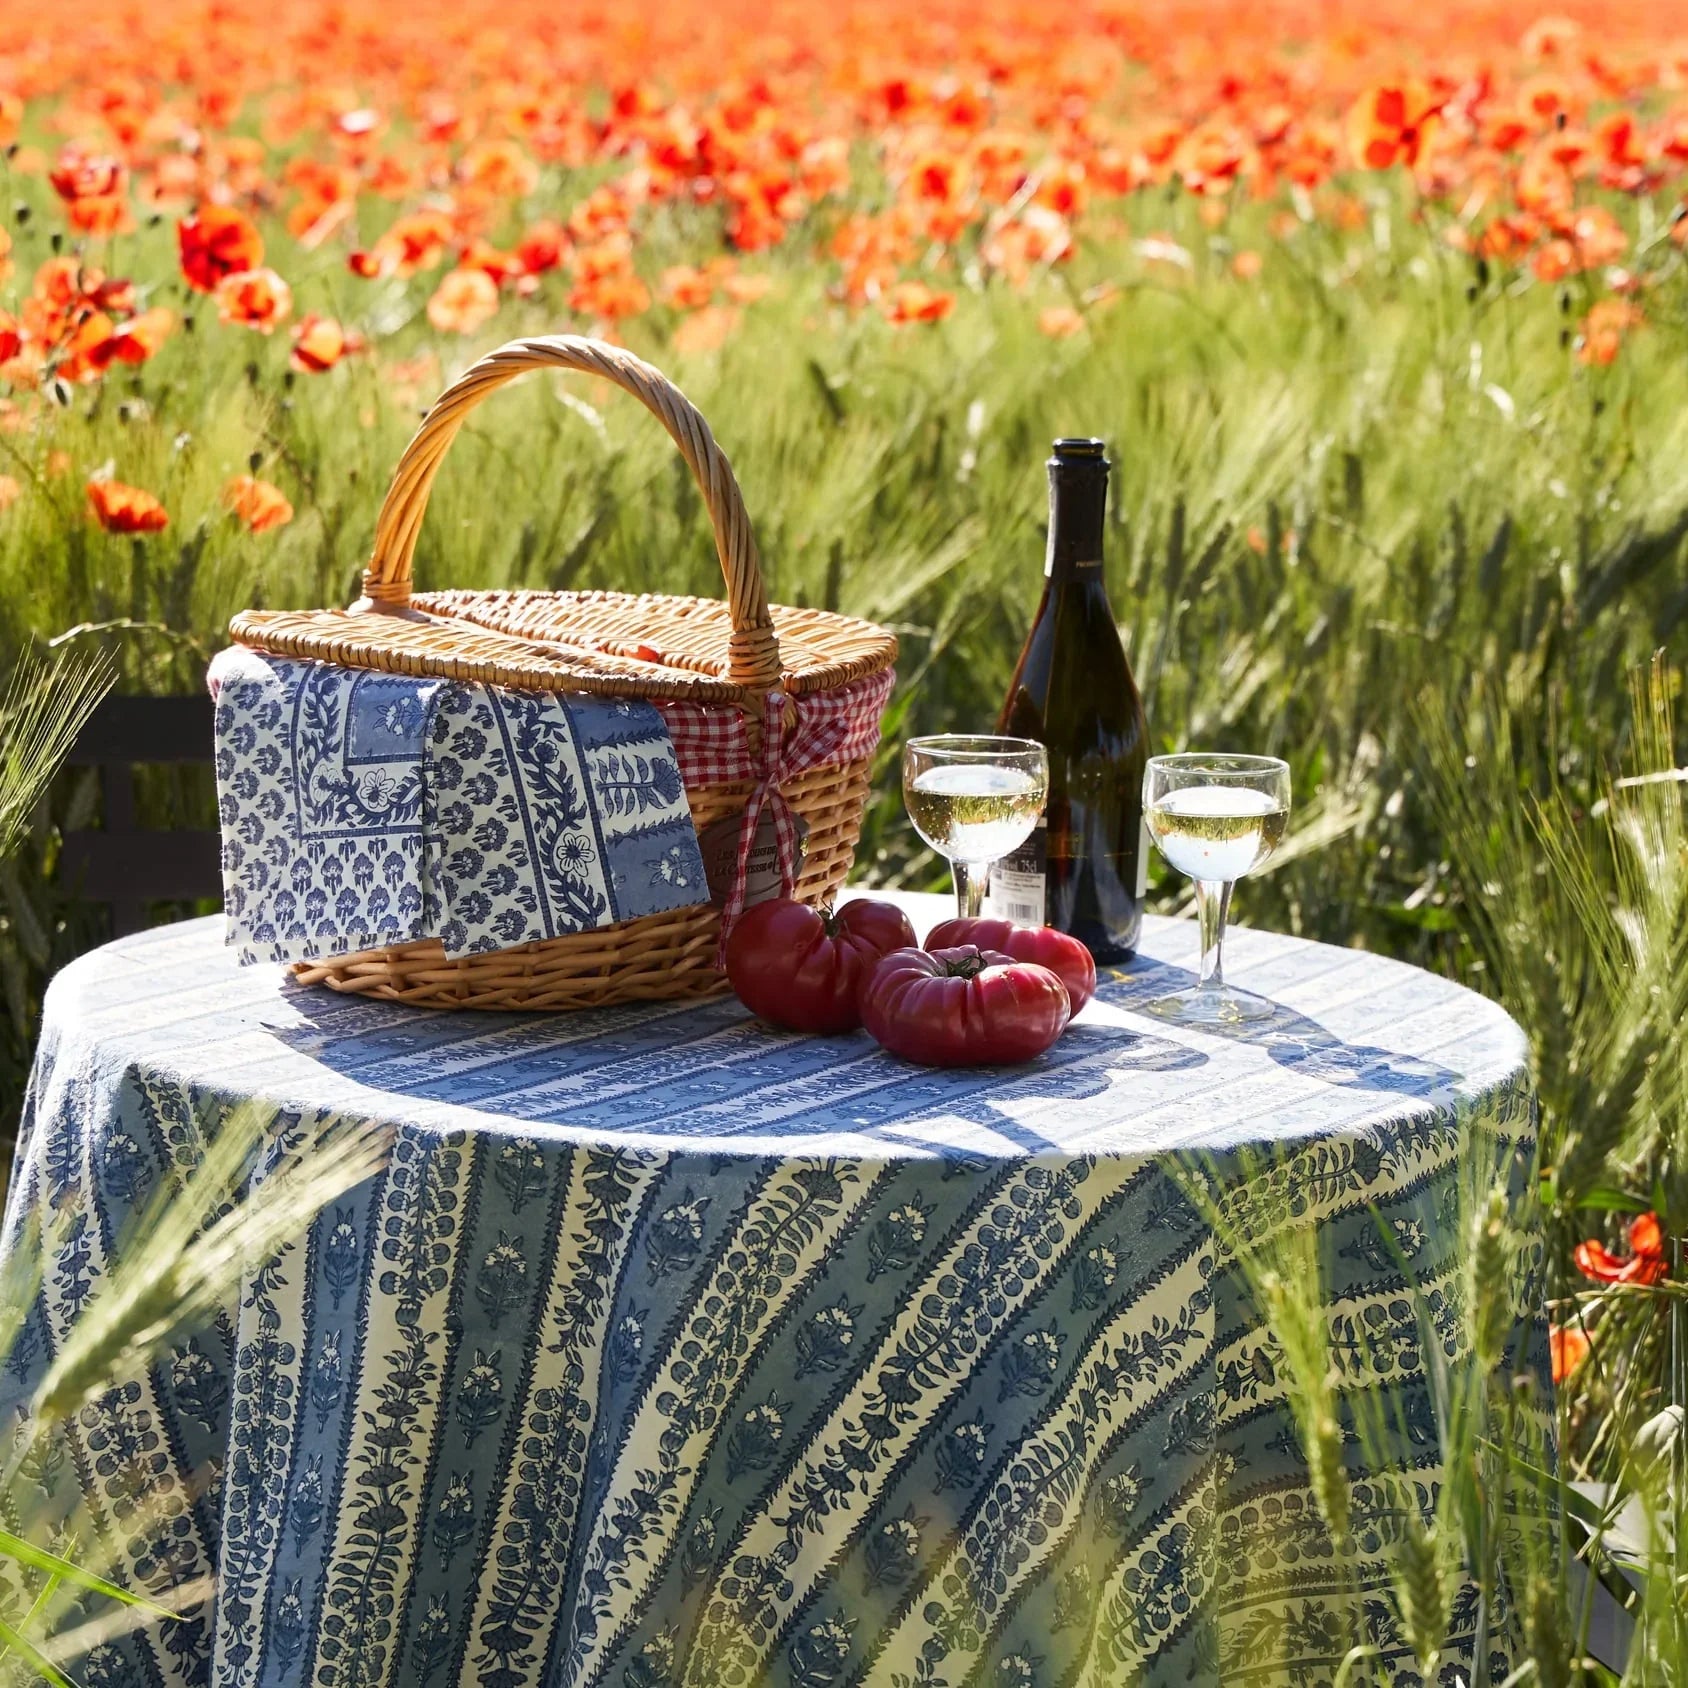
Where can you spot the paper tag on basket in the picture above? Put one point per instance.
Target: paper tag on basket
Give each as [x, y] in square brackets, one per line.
[719, 844]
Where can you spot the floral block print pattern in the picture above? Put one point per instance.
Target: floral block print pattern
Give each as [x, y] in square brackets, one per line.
[670, 1352]
[550, 814]
[319, 788]
[363, 809]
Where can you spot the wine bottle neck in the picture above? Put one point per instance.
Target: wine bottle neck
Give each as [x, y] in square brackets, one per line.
[1078, 501]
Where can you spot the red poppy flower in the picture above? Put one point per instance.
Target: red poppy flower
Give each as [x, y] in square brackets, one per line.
[1598, 236]
[1392, 124]
[258, 504]
[463, 301]
[706, 329]
[914, 301]
[258, 298]
[1059, 322]
[126, 509]
[543, 246]
[136, 340]
[1556, 260]
[1646, 1262]
[94, 190]
[319, 343]
[217, 242]
[1600, 338]
[1568, 1347]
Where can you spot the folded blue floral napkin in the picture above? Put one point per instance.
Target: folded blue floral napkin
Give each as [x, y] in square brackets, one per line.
[553, 814]
[361, 810]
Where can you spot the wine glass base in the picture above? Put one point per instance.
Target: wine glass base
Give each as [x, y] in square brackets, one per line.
[1216, 1005]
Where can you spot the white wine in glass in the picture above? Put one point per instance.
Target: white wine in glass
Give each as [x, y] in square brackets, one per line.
[1216, 818]
[973, 799]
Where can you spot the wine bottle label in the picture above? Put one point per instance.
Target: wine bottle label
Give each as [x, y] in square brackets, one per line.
[1017, 884]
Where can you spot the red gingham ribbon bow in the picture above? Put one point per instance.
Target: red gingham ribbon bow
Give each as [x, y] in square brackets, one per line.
[798, 733]
[787, 749]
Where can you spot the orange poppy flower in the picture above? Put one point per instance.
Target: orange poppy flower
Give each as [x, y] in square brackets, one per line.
[498, 169]
[543, 246]
[706, 329]
[914, 301]
[824, 168]
[1059, 322]
[217, 242]
[10, 491]
[1600, 334]
[258, 504]
[1543, 185]
[65, 291]
[94, 191]
[746, 289]
[483, 255]
[935, 177]
[135, 340]
[74, 354]
[1568, 1347]
[1646, 1262]
[1064, 187]
[1392, 124]
[1556, 260]
[257, 298]
[463, 301]
[614, 294]
[755, 226]
[415, 242]
[1598, 236]
[1508, 237]
[319, 343]
[126, 509]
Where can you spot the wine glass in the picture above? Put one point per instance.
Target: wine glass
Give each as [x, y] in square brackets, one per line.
[973, 799]
[1215, 818]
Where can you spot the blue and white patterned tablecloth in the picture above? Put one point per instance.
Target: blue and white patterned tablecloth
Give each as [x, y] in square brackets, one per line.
[671, 1351]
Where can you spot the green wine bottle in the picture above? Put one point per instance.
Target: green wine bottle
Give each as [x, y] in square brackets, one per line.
[1082, 870]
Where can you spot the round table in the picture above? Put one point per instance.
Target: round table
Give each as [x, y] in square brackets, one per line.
[669, 1349]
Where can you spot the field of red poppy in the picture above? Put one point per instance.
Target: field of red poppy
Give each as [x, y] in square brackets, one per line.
[1382, 309]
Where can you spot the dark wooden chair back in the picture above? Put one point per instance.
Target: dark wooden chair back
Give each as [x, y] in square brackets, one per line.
[120, 864]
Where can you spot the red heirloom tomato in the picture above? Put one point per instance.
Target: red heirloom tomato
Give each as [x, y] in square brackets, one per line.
[1064, 956]
[965, 1007]
[803, 967]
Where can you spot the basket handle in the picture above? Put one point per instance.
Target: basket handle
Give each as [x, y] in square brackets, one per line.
[753, 650]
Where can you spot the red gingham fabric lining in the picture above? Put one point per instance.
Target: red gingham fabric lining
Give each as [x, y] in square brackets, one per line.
[814, 731]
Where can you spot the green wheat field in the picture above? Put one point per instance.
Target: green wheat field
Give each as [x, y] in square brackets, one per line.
[1371, 514]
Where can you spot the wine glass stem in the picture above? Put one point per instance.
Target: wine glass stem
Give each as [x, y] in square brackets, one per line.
[970, 881]
[1213, 904]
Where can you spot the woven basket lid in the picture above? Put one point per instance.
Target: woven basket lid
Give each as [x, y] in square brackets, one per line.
[646, 645]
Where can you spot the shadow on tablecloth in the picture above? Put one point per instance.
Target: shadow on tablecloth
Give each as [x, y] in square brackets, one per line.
[1292, 1040]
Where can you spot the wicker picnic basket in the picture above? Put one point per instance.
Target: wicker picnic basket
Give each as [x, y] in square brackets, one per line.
[692, 652]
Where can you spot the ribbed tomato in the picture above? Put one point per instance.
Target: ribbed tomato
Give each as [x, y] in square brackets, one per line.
[964, 1007]
[803, 967]
[1064, 956]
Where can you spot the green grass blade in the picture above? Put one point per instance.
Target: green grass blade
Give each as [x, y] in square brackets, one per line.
[40, 1559]
[12, 1642]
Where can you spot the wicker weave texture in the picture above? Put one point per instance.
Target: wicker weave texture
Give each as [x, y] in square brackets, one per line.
[719, 654]
[575, 642]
